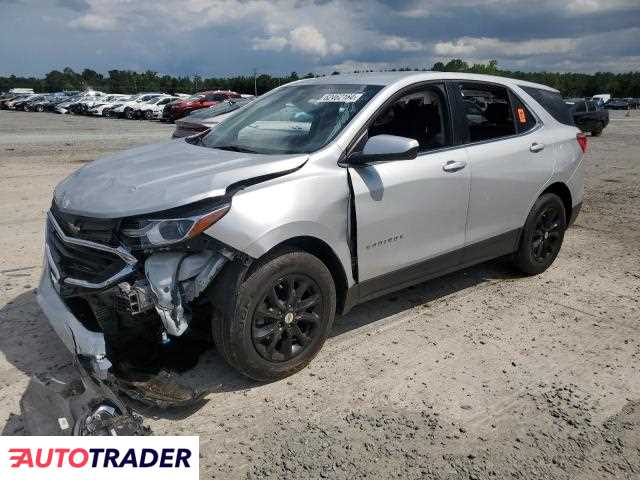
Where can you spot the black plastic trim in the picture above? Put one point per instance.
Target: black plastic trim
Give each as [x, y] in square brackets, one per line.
[468, 256]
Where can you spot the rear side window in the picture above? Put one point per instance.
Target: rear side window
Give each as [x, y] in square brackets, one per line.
[488, 111]
[525, 120]
[552, 102]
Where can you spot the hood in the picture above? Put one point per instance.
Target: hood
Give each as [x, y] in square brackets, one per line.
[161, 176]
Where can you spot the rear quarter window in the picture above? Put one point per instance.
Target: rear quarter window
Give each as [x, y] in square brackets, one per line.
[553, 103]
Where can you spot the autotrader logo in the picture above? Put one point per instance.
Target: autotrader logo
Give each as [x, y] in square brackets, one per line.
[71, 458]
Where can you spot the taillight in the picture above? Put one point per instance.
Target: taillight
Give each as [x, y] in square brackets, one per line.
[582, 141]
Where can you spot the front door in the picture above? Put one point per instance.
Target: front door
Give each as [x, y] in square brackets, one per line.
[411, 214]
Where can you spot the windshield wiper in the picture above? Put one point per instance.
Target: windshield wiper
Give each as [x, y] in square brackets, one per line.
[235, 148]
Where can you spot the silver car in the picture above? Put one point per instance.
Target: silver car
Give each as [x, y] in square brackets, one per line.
[320, 195]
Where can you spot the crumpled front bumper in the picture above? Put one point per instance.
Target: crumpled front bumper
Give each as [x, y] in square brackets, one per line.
[76, 337]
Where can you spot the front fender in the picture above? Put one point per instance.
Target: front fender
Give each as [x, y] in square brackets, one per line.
[311, 202]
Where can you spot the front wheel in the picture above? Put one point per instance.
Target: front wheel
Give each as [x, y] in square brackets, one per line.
[128, 113]
[280, 318]
[542, 235]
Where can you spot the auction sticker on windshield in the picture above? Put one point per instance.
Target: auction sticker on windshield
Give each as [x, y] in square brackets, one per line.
[340, 98]
[99, 458]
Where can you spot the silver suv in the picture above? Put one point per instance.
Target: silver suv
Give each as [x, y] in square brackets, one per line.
[318, 196]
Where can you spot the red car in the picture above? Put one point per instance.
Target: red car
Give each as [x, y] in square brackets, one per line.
[200, 100]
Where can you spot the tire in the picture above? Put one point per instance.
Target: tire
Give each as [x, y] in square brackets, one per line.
[598, 131]
[261, 335]
[40, 108]
[128, 113]
[148, 115]
[542, 235]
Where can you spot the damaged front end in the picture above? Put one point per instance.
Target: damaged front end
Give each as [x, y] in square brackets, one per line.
[122, 293]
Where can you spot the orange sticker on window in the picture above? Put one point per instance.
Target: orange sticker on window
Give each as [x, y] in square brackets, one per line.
[522, 116]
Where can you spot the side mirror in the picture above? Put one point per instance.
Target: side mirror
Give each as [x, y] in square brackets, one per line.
[384, 148]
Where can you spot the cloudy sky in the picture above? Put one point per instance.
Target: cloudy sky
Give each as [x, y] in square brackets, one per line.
[227, 37]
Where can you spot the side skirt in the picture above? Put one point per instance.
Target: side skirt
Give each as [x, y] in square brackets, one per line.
[468, 256]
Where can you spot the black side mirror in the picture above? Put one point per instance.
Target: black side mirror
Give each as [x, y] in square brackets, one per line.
[384, 148]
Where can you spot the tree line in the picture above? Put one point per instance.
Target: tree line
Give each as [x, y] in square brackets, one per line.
[127, 81]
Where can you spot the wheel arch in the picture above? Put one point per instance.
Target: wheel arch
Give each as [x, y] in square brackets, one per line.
[562, 190]
[325, 253]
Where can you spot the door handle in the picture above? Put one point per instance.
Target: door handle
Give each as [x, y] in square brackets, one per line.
[536, 147]
[452, 166]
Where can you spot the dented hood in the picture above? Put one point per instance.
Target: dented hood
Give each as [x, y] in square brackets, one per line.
[161, 176]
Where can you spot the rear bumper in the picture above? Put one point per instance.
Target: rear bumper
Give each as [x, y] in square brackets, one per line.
[76, 337]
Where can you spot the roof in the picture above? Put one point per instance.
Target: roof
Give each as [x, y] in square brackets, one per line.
[389, 78]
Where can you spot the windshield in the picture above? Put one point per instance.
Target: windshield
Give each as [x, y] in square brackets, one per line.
[296, 119]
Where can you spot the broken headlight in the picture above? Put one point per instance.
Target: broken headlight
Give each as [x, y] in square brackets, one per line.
[156, 232]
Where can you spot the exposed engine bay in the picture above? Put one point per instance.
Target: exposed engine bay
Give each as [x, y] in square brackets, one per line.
[141, 310]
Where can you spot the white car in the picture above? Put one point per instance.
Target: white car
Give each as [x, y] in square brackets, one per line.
[82, 97]
[126, 109]
[152, 109]
[112, 100]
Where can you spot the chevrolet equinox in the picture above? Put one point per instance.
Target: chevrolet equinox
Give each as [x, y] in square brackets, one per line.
[320, 195]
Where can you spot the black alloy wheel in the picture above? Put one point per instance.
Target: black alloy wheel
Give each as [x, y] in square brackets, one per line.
[542, 235]
[273, 317]
[287, 318]
[547, 237]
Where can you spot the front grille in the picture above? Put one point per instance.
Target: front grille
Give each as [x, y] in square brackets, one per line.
[86, 253]
[80, 262]
[92, 229]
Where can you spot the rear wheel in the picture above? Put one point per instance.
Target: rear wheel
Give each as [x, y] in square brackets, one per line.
[280, 318]
[128, 113]
[542, 235]
[40, 108]
[597, 131]
[148, 114]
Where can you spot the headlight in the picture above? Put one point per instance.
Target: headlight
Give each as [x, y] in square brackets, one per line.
[155, 232]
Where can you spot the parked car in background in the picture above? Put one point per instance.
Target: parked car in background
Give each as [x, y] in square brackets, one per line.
[87, 95]
[85, 104]
[24, 103]
[152, 109]
[196, 102]
[48, 104]
[322, 194]
[126, 109]
[601, 98]
[38, 105]
[633, 102]
[104, 104]
[206, 118]
[617, 104]
[587, 116]
[13, 103]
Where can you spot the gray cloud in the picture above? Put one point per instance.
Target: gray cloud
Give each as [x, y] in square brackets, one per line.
[219, 37]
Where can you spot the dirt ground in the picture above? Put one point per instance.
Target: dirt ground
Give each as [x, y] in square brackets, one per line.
[481, 374]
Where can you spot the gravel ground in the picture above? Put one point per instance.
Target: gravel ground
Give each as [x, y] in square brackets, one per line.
[481, 374]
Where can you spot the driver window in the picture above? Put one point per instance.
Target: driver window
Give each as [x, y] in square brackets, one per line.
[420, 115]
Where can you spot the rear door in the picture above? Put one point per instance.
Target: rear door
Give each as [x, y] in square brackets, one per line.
[411, 214]
[508, 166]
